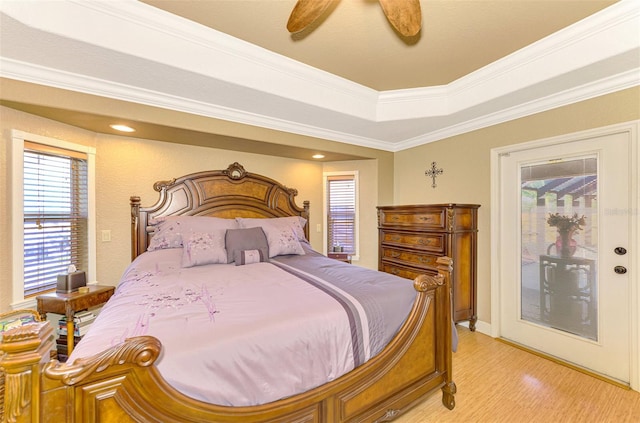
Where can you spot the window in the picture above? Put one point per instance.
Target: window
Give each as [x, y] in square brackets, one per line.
[341, 212]
[53, 212]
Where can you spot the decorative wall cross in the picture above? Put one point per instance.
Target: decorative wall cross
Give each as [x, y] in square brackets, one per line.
[433, 173]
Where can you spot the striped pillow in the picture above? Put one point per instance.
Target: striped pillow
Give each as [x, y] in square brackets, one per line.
[242, 257]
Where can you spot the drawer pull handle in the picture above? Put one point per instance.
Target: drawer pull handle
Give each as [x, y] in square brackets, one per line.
[425, 218]
[394, 254]
[395, 271]
[395, 218]
[396, 238]
[425, 260]
[424, 241]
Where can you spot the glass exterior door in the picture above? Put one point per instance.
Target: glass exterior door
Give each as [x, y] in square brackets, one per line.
[559, 245]
[564, 247]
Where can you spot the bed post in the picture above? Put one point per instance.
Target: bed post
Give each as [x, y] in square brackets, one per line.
[445, 268]
[24, 349]
[135, 221]
[305, 214]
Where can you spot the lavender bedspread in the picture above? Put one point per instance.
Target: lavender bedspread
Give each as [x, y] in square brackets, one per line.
[246, 335]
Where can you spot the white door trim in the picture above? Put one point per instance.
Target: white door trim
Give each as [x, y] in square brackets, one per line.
[631, 128]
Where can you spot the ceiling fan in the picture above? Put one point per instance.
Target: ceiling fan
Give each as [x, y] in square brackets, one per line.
[404, 15]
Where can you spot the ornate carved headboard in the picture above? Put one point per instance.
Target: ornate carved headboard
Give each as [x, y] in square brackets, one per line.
[228, 193]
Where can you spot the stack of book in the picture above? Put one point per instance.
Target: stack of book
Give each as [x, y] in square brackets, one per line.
[81, 322]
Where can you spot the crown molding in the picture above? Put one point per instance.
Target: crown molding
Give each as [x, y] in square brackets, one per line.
[601, 87]
[28, 72]
[238, 61]
[609, 33]
[491, 95]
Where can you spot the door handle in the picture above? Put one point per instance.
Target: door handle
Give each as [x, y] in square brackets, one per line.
[620, 270]
[621, 251]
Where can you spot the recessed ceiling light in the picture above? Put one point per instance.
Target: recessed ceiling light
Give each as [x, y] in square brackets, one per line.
[318, 156]
[123, 128]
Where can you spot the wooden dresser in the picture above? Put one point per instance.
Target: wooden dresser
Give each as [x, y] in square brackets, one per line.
[412, 237]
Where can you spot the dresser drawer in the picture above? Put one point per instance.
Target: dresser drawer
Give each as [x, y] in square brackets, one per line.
[425, 219]
[404, 272]
[410, 258]
[432, 242]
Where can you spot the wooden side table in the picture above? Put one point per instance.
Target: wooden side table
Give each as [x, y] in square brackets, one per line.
[345, 257]
[68, 304]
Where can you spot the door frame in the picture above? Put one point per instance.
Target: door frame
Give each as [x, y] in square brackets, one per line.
[631, 129]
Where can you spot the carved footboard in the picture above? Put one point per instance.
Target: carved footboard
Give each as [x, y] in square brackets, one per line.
[123, 384]
[24, 351]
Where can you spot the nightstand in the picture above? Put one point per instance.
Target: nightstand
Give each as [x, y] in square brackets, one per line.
[345, 257]
[68, 304]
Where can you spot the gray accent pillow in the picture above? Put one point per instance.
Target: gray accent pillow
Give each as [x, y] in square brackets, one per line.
[245, 239]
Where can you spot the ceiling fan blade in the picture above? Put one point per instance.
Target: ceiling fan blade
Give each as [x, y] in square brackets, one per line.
[305, 12]
[404, 15]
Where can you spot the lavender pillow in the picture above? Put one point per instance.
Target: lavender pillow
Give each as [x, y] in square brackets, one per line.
[296, 223]
[282, 241]
[238, 240]
[170, 230]
[283, 234]
[201, 248]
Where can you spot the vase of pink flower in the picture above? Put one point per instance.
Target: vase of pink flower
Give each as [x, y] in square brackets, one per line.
[567, 226]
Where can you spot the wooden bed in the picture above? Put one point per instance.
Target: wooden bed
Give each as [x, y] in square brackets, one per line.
[123, 384]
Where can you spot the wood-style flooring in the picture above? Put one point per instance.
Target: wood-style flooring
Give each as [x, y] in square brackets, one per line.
[499, 383]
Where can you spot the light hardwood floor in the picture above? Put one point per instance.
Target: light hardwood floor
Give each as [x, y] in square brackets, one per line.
[499, 383]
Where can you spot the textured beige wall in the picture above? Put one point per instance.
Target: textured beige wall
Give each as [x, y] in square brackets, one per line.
[466, 163]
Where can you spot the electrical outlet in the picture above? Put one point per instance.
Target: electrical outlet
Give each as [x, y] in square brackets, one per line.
[106, 235]
[318, 227]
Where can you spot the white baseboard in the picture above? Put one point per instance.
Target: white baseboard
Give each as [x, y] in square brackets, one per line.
[482, 327]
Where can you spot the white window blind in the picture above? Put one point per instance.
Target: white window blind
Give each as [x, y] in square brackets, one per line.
[55, 214]
[341, 213]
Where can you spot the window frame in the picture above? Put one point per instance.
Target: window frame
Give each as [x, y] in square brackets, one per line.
[325, 177]
[17, 212]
